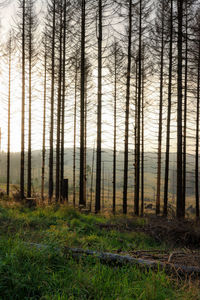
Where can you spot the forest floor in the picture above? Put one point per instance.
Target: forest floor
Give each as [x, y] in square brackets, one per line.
[27, 272]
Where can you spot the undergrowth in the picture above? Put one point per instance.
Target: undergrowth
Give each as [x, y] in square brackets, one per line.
[27, 272]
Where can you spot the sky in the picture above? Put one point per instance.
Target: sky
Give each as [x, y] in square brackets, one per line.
[8, 18]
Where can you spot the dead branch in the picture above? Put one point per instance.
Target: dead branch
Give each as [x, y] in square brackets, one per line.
[119, 260]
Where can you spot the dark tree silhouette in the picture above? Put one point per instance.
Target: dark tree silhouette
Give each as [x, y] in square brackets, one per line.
[30, 44]
[82, 201]
[22, 7]
[99, 112]
[52, 12]
[128, 76]
[44, 118]
[160, 107]
[9, 49]
[166, 185]
[59, 102]
[180, 208]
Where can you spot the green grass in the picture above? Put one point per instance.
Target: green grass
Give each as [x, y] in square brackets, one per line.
[27, 272]
[66, 227]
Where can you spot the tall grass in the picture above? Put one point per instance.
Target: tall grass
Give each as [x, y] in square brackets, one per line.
[27, 272]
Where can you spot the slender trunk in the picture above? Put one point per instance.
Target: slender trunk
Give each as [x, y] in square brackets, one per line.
[23, 104]
[29, 181]
[115, 134]
[128, 79]
[185, 110]
[166, 186]
[142, 154]
[180, 208]
[137, 194]
[99, 114]
[59, 113]
[108, 196]
[63, 102]
[74, 150]
[9, 101]
[92, 176]
[44, 124]
[85, 139]
[82, 109]
[135, 129]
[103, 188]
[0, 139]
[197, 141]
[52, 106]
[160, 117]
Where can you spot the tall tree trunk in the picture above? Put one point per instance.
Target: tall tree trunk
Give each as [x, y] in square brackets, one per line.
[135, 129]
[9, 103]
[142, 150]
[59, 111]
[99, 114]
[74, 150]
[103, 188]
[63, 101]
[137, 193]
[52, 105]
[108, 195]
[185, 108]
[85, 136]
[82, 110]
[160, 116]
[166, 186]
[23, 104]
[29, 179]
[44, 123]
[0, 140]
[197, 141]
[115, 133]
[180, 208]
[92, 176]
[128, 79]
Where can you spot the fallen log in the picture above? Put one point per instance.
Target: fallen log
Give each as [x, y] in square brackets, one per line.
[116, 259]
[120, 260]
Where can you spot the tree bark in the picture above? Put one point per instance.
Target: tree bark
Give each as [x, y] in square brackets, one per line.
[9, 103]
[58, 153]
[85, 134]
[74, 149]
[166, 186]
[99, 114]
[180, 209]
[125, 186]
[142, 146]
[62, 160]
[185, 108]
[160, 115]
[29, 179]
[44, 123]
[115, 131]
[137, 192]
[197, 140]
[92, 176]
[51, 150]
[23, 104]
[82, 110]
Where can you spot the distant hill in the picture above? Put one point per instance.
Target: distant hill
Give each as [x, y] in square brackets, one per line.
[107, 158]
